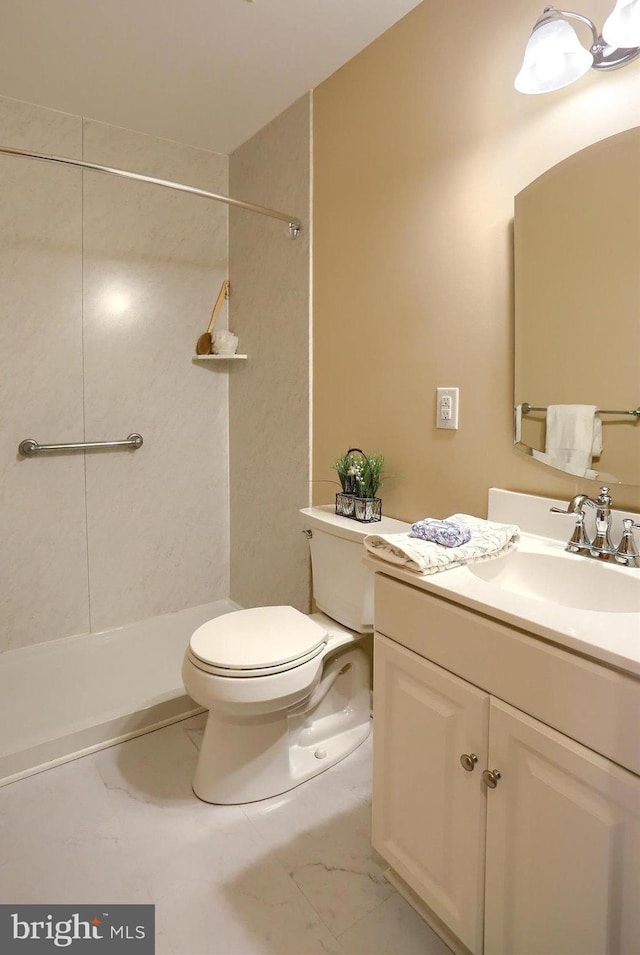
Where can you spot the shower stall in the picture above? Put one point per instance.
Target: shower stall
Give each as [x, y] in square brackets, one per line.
[111, 556]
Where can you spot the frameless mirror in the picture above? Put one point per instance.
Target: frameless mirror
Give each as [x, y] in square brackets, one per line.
[577, 313]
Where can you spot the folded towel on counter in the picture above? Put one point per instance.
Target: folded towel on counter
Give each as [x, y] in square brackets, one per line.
[573, 438]
[447, 533]
[488, 539]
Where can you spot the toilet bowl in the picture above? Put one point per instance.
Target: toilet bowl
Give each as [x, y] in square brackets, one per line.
[288, 694]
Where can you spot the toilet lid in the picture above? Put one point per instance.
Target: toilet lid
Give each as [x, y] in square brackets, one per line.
[263, 639]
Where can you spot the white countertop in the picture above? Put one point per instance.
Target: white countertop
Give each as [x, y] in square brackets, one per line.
[610, 635]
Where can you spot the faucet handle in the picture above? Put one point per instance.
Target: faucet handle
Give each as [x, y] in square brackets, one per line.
[628, 523]
[627, 552]
[604, 498]
[574, 506]
[579, 542]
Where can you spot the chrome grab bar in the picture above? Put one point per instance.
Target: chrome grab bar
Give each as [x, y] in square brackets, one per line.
[29, 447]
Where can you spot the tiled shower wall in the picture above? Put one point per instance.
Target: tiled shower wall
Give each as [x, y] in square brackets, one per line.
[105, 286]
[270, 393]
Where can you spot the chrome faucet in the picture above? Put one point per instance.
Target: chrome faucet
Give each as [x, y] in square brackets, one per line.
[601, 547]
[602, 544]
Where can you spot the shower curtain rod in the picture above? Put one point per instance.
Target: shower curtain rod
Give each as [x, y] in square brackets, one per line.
[295, 225]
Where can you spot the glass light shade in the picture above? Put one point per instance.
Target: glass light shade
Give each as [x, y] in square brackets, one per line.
[554, 57]
[622, 26]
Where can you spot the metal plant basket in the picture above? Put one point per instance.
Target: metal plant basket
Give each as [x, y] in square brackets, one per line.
[363, 509]
[350, 503]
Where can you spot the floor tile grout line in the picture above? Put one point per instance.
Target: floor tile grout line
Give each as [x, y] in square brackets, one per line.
[369, 913]
[357, 920]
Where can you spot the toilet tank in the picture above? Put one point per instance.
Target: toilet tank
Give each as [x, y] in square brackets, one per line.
[342, 585]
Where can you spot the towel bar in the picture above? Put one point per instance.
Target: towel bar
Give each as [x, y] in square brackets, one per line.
[526, 408]
[29, 447]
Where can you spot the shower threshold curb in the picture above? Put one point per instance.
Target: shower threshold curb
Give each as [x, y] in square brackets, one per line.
[66, 698]
[51, 753]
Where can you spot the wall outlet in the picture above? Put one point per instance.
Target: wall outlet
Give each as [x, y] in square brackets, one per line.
[447, 400]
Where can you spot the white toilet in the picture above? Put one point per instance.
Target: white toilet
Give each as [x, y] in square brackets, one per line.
[288, 694]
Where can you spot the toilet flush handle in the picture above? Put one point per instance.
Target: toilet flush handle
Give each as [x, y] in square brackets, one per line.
[308, 533]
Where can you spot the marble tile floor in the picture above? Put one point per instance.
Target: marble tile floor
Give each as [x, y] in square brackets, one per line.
[292, 875]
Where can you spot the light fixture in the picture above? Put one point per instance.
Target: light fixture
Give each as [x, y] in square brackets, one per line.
[622, 26]
[554, 56]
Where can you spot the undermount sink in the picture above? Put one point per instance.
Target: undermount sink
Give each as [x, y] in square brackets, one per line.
[564, 579]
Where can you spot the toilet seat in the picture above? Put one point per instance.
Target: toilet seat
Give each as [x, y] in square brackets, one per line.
[256, 642]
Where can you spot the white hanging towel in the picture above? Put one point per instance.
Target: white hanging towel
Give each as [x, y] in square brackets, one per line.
[517, 425]
[574, 437]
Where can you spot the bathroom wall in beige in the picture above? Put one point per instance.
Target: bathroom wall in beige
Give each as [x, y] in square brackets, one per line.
[420, 145]
[269, 393]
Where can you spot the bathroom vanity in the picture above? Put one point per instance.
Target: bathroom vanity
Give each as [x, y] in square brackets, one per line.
[506, 794]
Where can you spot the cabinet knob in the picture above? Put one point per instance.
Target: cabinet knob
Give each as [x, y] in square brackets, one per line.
[491, 777]
[468, 761]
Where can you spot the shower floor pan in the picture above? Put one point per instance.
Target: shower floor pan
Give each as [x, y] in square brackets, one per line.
[69, 697]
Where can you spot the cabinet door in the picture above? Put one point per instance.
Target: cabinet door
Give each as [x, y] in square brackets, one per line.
[563, 844]
[428, 812]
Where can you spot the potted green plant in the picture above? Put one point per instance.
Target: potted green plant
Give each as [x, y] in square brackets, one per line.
[360, 477]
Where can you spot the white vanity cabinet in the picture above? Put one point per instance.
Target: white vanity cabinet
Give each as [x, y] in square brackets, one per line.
[428, 812]
[563, 845]
[548, 861]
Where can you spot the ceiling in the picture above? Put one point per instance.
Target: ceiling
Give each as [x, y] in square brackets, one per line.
[210, 73]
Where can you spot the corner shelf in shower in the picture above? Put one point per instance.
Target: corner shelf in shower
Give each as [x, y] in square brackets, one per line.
[219, 357]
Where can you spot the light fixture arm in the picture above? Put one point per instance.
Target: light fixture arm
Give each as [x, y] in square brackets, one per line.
[614, 58]
[550, 13]
[605, 57]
